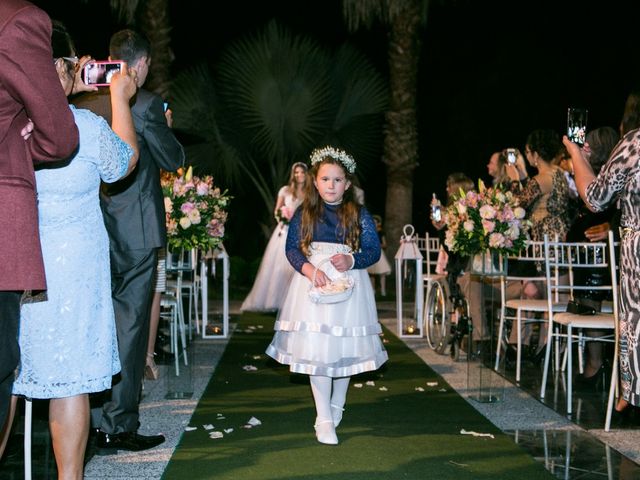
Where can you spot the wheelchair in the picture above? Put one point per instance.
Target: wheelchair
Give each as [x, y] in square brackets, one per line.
[446, 320]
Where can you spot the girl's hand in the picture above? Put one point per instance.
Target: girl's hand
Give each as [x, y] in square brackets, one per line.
[321, 278]
[342, 262]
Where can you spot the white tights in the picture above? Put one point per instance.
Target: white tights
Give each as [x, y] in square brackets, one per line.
[328, 392]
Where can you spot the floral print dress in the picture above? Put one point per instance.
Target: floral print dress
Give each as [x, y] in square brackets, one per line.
[548, 211]
[619, 180]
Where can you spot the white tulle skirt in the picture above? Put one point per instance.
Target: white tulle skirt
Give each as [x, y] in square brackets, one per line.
[381, 267]
[334, 340]
[273, 277]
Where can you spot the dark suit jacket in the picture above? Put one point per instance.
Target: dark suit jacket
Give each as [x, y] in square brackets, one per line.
[133, 208]
[29, 88]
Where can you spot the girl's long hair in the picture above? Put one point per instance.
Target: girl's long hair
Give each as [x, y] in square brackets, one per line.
[313, 208]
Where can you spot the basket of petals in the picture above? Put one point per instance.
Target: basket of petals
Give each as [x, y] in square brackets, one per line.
[336, 290]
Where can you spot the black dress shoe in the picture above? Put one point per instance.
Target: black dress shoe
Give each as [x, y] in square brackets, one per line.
[109, 443]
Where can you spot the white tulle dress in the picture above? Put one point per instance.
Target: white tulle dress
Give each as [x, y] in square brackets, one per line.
[274, 275]
[335, 339]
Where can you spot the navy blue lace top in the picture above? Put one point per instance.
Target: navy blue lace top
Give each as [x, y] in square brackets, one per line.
[328, 230]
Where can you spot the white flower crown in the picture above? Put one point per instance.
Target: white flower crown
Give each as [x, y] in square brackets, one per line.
[343, 157]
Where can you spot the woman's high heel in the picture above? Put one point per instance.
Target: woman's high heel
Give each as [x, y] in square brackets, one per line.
[151, 371]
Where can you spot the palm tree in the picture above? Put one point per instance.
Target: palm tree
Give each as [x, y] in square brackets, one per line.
[276, 96]
[403, 19]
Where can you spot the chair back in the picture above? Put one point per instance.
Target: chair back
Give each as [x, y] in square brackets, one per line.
[563, 260]
[429, 247]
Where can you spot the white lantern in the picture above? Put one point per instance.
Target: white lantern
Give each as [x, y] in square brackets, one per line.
[215, 331]
[409, 295]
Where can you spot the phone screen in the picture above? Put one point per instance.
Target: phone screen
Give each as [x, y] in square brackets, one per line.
[166, 106]
[99, 73]
[511, 156]
[436, 213]
[577, 124]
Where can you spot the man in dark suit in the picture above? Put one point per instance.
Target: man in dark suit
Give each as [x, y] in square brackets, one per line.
[36, 124]
[135, 219]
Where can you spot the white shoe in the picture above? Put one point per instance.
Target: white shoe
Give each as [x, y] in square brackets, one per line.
[326, 432]
[336, 413]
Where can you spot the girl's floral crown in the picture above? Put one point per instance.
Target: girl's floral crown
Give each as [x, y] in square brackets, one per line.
[343, 157]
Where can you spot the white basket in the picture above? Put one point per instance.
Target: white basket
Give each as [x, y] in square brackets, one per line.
[337, 290]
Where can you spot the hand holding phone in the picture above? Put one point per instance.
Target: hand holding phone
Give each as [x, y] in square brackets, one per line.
[577, 125]
[99, 73]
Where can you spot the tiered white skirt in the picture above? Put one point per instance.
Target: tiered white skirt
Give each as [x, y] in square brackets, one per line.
[334, 340]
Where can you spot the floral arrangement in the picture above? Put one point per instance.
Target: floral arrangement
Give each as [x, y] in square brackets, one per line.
[284, 214]
[196, 210]
[489, 219]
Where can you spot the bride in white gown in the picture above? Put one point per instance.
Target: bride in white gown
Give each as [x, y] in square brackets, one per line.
[275, 272]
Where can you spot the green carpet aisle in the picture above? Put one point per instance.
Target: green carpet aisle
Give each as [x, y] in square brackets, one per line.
[390, 430]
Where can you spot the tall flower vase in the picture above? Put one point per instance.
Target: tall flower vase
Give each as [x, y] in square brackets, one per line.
[485, 382]
[489, 263]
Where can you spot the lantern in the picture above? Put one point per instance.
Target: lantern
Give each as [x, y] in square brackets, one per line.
[220, 330]
[409, 295]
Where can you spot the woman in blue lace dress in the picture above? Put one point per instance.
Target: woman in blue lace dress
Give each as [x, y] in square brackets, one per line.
[330, 236]
[67, 334]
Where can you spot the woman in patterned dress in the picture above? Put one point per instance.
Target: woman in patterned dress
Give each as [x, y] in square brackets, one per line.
[619, 180]
[545, 197]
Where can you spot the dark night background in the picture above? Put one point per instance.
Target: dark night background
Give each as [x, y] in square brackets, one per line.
[490, 72]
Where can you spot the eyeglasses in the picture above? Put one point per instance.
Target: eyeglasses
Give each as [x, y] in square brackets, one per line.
[73, 60]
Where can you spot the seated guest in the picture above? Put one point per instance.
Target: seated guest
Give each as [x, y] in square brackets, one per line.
[593, 226]
[545, 197]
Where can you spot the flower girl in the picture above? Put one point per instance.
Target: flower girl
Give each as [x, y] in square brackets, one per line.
[330, 342]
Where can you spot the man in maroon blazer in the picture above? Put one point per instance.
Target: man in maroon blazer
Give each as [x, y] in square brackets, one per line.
[30, 90]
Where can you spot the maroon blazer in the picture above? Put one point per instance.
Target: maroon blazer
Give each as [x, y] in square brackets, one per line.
[29, 88]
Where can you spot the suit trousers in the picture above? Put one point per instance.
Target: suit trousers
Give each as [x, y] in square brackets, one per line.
[132, 282]
[9, 348]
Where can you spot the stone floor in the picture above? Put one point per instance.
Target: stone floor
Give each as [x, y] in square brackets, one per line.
[570, 448]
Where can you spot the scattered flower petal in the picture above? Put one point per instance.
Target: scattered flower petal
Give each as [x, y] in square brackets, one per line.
[476, 434]
[419, 389]
[383, 389]
[253, 421]
[228, 430]
[190, 429]
[208, 426]
[216, 435]
[432, 384]
[357, 385]
[371, 383]
[249, 368]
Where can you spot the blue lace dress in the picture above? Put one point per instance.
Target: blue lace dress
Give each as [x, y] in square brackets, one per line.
[337, 339]
[67, 334]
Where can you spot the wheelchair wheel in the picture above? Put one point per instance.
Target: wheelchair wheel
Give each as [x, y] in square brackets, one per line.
[460, 332]
[436, 318]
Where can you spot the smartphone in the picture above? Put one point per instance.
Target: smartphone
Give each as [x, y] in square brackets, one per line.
[166, 106]
[577, 124]
[511, 156]
[436, 213]
[99, 73]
